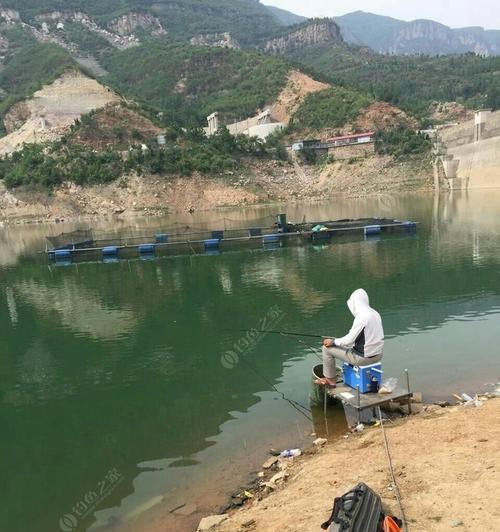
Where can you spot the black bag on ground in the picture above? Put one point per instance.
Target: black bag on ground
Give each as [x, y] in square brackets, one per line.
[359, 510]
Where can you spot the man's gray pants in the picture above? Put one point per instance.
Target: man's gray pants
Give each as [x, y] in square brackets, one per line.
[347, 355]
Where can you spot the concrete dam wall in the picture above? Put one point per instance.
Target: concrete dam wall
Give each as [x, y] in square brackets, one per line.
[478, 163]
[471, 151]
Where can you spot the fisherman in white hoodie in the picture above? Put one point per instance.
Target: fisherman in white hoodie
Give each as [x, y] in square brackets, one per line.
[363, 345]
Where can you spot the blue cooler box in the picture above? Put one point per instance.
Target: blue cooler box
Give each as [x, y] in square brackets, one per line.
[361, 377]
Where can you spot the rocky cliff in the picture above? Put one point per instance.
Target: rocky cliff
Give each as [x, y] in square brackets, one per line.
[52, 110]
[389, 35]
[429, 37]
[219, 40]
[312, 33]
[129, 23]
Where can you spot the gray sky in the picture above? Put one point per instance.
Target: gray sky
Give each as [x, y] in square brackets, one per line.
[454, 13]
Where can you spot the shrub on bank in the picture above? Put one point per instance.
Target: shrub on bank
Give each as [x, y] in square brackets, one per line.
[401, 142]
[187, 152]
[330, 108]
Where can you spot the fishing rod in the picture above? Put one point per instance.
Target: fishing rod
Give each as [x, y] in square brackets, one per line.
[283, 333]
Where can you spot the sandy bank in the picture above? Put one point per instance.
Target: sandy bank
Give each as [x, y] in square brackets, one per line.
[446, 462]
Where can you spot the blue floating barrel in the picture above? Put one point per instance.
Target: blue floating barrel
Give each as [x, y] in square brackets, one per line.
[110, 251]
[410, 226]
[255, 231]
[211, 244]
[146, 249]
[372, 230]
[161, 238]
[270, 239]
[217, 235]
[62, 254]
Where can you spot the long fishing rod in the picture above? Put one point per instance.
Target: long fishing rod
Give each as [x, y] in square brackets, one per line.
[283, 333]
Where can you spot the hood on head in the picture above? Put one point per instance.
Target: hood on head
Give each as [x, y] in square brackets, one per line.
[357, 301]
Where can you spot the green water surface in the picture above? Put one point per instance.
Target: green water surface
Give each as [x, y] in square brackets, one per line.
[130, 388]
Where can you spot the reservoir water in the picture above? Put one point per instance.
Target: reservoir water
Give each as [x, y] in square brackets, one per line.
[130, 389]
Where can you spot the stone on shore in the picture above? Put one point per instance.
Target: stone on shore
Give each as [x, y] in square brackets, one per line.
[269, 462]
[208, 523]
[186, 510]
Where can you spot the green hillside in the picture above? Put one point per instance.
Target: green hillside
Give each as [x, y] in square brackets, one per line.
[331, 108]
[87, 41]
[188, 83]
[247, 20]
[102, 10]
[411, 83]
[286, 18]
[185, 152]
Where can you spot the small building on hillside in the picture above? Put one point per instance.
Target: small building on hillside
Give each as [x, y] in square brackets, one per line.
[343, 147]
[261, 125]
[319, 146]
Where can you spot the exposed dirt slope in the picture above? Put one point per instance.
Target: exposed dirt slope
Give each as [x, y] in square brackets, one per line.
[447, 466]
[113, 126]
[299, 85]
[48, 115]
[450, 112]
[374, 175]
[381, 116]
[127, 197]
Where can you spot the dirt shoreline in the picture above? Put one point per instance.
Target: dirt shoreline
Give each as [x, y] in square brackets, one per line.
[446, 462]
[260, 183]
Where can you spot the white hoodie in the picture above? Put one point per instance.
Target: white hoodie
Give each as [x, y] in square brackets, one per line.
[367, 334]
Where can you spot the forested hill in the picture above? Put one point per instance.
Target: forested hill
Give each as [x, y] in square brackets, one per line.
[248, 21]
[285, 17]
[412, 83]
[187, 83]
[142, 49]
[187, 58]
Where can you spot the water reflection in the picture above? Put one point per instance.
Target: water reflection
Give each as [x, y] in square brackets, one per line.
[78, 309]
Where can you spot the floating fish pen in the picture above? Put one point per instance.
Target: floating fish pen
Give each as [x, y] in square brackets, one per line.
[184, 239]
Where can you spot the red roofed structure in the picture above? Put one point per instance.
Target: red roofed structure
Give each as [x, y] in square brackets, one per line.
[330, 144]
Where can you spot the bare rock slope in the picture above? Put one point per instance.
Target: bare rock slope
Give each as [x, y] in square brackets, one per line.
[51, 111]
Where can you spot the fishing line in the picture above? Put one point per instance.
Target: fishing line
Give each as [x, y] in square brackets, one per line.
[294, 404]
[394, 483]
[311, 348]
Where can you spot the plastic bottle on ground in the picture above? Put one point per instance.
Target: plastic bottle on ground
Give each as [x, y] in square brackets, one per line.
[290, 453]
